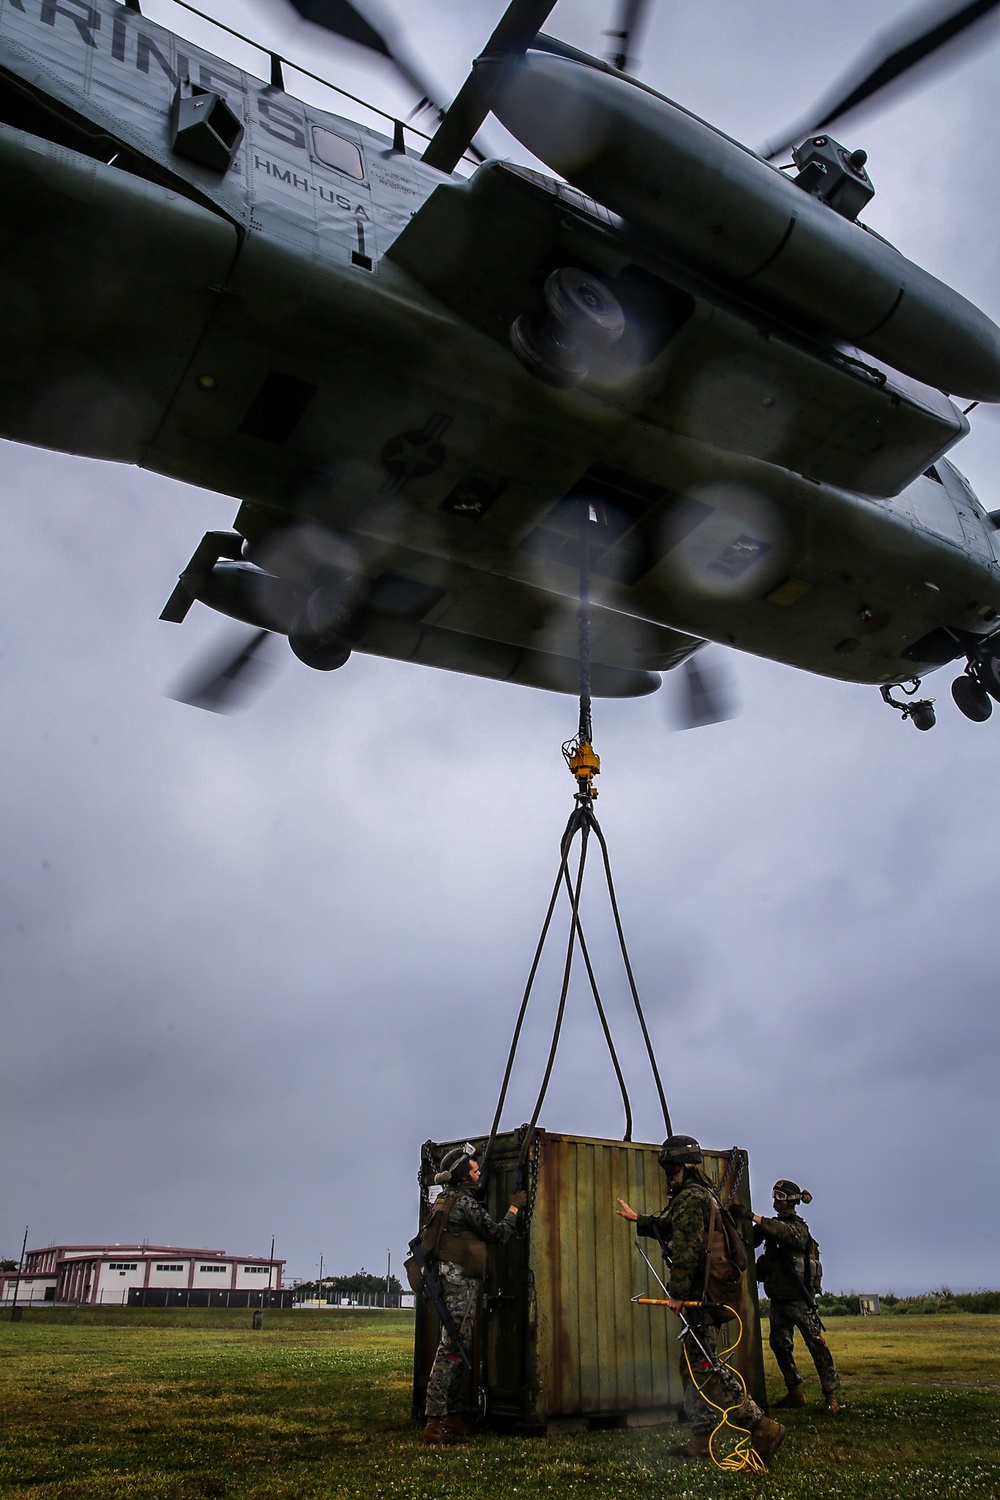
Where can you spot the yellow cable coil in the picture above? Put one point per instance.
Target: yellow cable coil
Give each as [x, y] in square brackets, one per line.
[741, 1455]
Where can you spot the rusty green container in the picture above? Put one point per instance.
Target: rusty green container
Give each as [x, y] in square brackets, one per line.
[559, 1341]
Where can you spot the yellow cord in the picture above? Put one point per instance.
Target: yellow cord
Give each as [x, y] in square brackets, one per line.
[742, 1455]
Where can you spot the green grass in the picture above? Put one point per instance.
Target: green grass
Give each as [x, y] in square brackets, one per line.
[179, 1404]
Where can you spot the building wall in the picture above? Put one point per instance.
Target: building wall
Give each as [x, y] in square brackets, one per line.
[105, 1274]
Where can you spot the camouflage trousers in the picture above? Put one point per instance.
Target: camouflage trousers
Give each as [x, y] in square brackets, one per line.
[445, 1380]
[785, 1318]
[721, 1386]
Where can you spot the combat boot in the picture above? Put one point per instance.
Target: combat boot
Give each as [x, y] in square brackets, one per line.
[831, 1405]
[436, 1432]
[695, 1447]
[794, 1398]
[766, 1437]
[456, 1426]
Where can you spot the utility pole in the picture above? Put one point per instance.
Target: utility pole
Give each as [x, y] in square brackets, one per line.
[388, 1274]
[15, 1311]
[258, 1317]
[319, 1293]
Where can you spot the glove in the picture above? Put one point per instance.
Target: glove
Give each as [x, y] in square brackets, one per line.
[740, 1211]
[519, 1199]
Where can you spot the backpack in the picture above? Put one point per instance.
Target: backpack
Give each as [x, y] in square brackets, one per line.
[725, 1261]
[438, 1243]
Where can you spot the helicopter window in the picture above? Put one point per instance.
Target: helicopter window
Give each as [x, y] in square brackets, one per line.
[334, 151]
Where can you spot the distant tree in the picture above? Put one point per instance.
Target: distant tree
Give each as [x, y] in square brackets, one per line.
[353, 1285]
[8, 1265]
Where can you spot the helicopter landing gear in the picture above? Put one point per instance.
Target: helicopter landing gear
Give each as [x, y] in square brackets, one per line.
[311, 649]
[584, 306]
[972, 698]
[986, 669]
[921, 714]
[581, 314]
[548, 350]
[325, 631]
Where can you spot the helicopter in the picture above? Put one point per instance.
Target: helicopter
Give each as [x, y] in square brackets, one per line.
[435, 382]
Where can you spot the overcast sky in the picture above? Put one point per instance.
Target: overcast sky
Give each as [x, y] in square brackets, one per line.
[250, 963]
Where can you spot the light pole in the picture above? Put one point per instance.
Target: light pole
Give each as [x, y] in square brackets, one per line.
[15, 1311]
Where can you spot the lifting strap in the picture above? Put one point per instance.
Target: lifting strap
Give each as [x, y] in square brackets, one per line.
[584, 764]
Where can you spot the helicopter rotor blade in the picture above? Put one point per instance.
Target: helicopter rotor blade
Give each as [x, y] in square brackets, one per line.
[630, 16]
[343, 18]
[893, 54]
[703, 695]
[224, 681]
[515, 31]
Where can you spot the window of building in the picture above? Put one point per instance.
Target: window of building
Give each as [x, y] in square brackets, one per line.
[220, 1269]
[255, 1270]
[122, 1265]
[177, 1267]
[334, 151]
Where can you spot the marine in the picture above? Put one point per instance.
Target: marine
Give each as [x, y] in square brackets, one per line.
[791, 1272]
[464, 1231]
[683, 1227]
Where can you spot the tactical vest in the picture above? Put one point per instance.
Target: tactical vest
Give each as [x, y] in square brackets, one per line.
[464, 1249]
[809, 1268]
[806, 1264]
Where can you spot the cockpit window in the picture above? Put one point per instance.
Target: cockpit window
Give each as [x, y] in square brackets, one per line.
[334, 151]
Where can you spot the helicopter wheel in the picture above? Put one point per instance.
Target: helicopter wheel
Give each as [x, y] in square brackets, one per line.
[548, 350]
[972, 699]
[987, 670]
[584, 306]
[323, 655]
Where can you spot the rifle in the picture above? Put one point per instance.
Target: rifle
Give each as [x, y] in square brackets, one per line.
[431, 1288]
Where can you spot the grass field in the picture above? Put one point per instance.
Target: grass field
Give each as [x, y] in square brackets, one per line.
[102, 1405]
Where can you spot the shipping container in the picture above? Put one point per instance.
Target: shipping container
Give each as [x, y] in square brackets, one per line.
[559, 1343]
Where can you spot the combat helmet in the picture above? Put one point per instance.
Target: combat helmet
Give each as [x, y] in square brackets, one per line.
[680, 1151]
[454, 1166]
[789, 1194]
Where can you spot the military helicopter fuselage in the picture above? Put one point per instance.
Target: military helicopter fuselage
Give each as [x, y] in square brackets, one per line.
[292, 309]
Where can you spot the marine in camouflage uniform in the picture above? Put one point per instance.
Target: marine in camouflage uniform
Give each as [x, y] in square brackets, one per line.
[781, 1268]
[684, 1225]
[468, 1228]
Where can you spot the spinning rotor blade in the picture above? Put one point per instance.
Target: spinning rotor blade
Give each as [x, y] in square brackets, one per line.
[892, 55]
[630, 15]
[703, 696]
[516, 30]
[344, 19]
[225, 680]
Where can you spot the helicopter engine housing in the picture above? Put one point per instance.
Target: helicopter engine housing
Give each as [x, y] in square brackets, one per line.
[720, 207]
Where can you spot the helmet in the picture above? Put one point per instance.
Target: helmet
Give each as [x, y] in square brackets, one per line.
[680, 1151]
[789, 1193]
[454, 1166]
